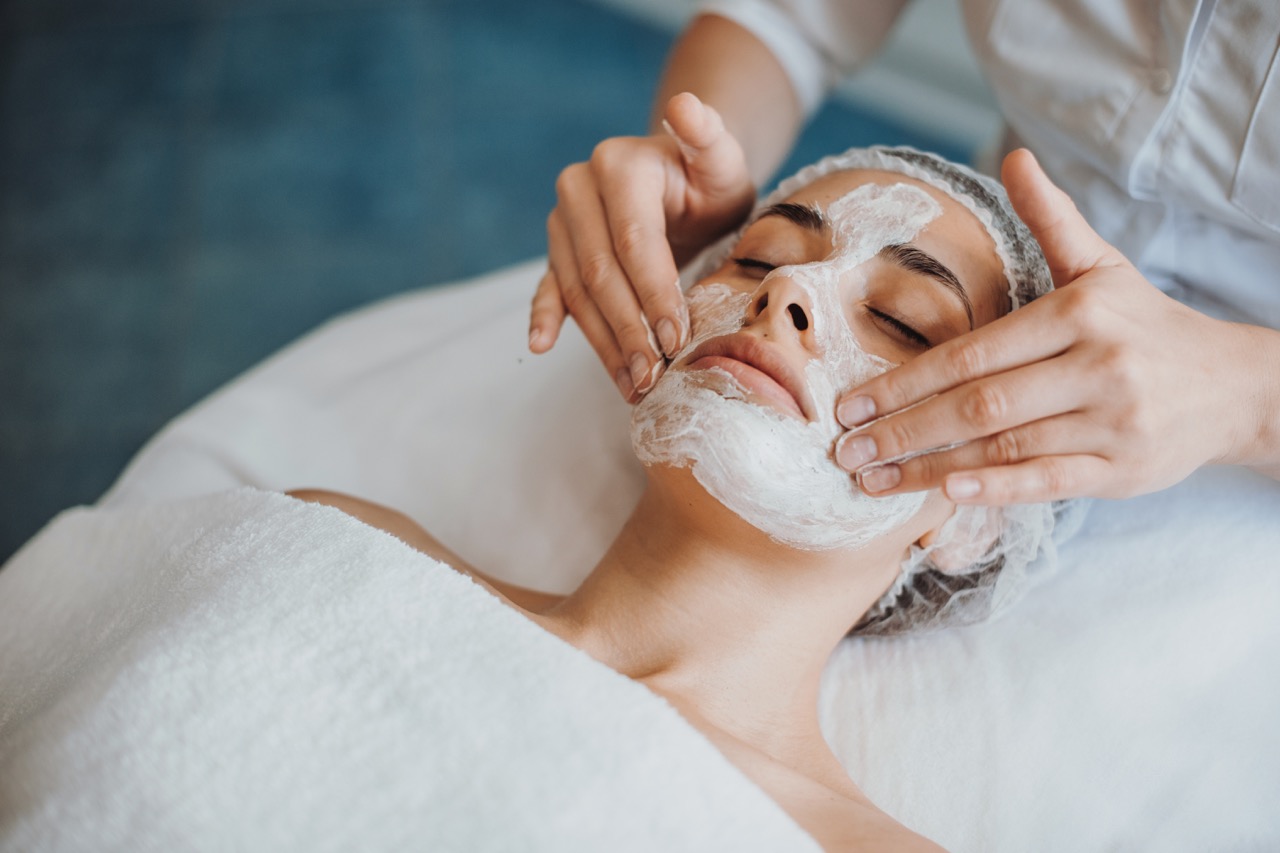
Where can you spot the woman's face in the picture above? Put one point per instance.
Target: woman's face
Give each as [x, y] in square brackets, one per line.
[905, 298]
[856, 273]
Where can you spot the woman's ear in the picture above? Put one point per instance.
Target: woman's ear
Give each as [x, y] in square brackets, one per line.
[964, 539]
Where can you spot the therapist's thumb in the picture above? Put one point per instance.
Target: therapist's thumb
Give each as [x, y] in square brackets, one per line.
[713, 160]
[1070, 245]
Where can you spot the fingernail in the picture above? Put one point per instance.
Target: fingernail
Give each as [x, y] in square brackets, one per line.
[856, 411]
[645, 385]
[534, 337]
[959, 488]
[639, 370]
[685, 148]
[854, 451]
[880, 478]
[623, 381]
[667, 335]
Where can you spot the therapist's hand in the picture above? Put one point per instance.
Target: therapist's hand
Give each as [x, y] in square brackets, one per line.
[1105, 387]
[622, 223]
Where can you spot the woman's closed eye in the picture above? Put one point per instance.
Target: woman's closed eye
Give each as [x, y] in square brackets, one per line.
[899, 328]
[755, 265]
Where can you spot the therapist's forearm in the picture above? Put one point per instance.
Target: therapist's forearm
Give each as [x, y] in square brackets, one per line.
[730, 69]
[1258, 442]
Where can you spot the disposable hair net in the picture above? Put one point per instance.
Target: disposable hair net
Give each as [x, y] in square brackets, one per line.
[983, 558]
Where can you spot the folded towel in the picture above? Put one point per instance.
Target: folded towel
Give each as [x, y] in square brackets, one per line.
[247, 671]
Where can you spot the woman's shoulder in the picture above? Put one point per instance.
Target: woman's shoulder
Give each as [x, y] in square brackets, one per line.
[853, 827]
[827, 805]
[413, 534]
[841, 823]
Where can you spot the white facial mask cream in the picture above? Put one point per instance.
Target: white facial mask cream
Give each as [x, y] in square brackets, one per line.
[775, 471]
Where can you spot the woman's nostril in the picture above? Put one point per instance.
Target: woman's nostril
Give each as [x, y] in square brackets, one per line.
[762, 304]
[798, 317]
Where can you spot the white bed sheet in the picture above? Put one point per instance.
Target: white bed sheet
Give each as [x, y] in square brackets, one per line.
[1130, 702]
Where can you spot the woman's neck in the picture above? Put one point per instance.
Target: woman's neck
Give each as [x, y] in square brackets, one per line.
[700, 606]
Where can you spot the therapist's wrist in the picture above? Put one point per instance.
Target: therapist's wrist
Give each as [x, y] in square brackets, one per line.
[1256, 438]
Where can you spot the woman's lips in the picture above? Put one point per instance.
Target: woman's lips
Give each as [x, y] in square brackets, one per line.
[753, 379]
[761, 368]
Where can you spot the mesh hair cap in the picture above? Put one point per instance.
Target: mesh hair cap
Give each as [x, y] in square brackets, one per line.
[983, 558]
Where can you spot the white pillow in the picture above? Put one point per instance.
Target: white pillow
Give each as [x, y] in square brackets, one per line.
[1129, 702]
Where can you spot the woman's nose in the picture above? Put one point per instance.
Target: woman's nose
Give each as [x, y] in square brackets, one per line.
[783, 307]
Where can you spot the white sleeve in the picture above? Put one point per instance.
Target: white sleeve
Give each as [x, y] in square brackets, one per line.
[815, 41]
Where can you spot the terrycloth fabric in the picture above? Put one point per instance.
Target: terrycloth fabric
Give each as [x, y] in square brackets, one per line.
[248, 672]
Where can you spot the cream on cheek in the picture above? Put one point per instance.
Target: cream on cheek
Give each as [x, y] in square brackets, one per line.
[777, 472]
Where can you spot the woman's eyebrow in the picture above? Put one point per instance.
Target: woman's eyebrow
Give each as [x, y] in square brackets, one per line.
[802, 215]
[914, 259]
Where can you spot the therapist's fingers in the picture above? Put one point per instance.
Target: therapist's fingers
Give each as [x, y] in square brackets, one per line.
[583, 308]
[1071, 247]
[715, 165]
[633, 207]
[586, 225]
[1031, 334]
[1070, 434]
[977, 409]
[1046, 478]
[546, 315]
[662, 208]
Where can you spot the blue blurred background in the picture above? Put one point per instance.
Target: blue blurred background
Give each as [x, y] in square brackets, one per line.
[185, 187]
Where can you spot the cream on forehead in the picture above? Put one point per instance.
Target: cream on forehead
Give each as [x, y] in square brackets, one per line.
[1025, 270]
[777, 472]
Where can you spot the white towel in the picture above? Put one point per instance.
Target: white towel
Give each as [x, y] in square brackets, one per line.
[244, 671]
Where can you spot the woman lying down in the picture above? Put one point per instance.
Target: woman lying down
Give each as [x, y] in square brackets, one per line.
[751, 554]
